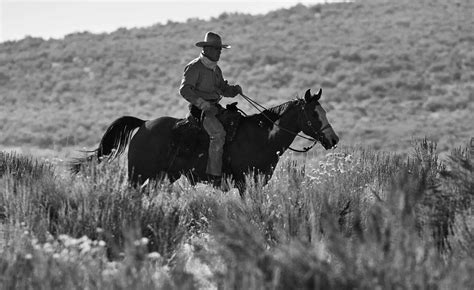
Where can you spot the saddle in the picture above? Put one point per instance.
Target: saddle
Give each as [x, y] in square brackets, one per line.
[189, 137]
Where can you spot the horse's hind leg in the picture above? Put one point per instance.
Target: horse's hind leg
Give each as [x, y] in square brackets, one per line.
[140, 180]
[134, 178]
[241, 185]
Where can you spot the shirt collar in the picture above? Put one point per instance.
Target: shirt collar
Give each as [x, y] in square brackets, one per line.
[207, 62]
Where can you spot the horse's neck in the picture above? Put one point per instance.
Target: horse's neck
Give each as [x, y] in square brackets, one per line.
[287, 128]
[283, 131]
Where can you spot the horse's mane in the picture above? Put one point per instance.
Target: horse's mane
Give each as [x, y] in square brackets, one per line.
[274, 113]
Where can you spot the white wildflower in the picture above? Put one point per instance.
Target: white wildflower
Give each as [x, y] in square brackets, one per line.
[83, 239]
[49, 237]
[68, 241]
[64, 253]
[85, 248]
[63, 237]
[348, 158]
[154, 256]
[48, 248]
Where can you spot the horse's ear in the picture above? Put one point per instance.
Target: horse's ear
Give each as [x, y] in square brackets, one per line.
[307, 95]
[318, 95]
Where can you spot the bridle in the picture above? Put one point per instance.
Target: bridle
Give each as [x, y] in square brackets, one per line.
[318, 133]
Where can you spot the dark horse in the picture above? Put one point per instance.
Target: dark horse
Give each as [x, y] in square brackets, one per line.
[258, 143]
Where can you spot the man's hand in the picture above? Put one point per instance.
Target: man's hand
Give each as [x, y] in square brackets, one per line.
[203, 104]
[238, 90]
[206, 107]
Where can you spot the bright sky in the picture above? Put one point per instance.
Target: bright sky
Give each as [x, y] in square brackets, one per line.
[55, 18]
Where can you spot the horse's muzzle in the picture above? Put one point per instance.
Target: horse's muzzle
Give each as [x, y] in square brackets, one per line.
[330, 139]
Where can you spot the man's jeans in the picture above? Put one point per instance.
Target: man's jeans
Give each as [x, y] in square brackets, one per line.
[216, 133]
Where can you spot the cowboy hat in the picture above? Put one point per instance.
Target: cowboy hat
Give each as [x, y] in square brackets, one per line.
[212, 39]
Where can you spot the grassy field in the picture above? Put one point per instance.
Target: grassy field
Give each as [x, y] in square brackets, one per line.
[353, 218]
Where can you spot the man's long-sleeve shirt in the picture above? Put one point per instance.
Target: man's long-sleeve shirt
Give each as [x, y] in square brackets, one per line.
[202, 82]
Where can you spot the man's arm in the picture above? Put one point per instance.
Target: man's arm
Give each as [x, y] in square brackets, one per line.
[228, 91]
[188, 85]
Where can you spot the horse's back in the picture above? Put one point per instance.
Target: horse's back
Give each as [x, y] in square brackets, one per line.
[154, 132]
[160, 125]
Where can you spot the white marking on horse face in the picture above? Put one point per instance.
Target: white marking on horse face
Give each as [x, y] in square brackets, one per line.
[322, 115]
[274, 130]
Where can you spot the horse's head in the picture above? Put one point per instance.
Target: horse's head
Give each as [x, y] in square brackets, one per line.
[314, 123]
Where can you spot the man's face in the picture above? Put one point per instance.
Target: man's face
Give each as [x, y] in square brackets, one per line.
[213, 53]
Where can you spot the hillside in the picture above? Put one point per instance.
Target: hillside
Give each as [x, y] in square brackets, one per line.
[390, 71]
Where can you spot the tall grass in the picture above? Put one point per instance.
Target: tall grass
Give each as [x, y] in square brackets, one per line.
[351, 219]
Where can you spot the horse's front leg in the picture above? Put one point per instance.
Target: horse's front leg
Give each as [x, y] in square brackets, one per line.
[192, 177]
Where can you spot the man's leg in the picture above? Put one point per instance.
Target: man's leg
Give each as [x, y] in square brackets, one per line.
[216, 133]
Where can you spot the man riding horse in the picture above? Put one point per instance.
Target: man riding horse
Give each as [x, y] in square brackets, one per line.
[154, 152]
[204, 86]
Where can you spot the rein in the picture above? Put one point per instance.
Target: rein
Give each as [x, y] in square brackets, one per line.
[261, 109]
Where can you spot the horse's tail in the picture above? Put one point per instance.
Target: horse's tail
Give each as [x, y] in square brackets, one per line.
[117, 136]
[113, 143]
